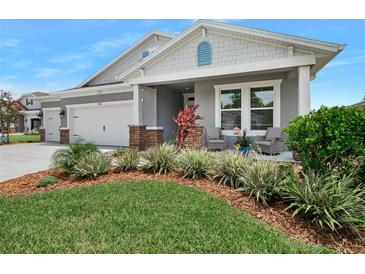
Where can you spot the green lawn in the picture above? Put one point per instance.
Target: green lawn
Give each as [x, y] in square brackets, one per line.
[135, 217]
[24, 138]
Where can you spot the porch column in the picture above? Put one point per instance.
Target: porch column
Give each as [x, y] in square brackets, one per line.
[304, 105]
[137, 105]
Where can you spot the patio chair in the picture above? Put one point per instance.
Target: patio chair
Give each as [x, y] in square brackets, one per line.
[214, 139]
[272, 142]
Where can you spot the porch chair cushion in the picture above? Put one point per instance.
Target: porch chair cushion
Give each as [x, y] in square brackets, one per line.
[214, 139]
[273, 133]
[212, 133]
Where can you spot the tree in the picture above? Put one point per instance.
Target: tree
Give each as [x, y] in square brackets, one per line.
[9, 111]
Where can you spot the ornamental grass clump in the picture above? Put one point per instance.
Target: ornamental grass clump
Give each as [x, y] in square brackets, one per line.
[48, 180]
[160, 159]
[229, 168]
[67, 157]
[330, 200]
[127, 160]
[263, 179]
[195, 163]
[91, 165]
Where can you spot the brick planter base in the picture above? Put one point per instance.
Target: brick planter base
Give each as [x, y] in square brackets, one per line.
[142, 138]
[194, 137]
[64, 136]
[42, 132]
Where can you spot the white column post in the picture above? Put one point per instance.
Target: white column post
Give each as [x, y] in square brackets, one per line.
[137, 105]
[304, 105]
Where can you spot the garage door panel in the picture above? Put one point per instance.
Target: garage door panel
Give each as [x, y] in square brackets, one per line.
[52, 125]
[103, 125]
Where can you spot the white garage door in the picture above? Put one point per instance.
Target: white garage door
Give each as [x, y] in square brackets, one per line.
[52, 125]
[105, 124]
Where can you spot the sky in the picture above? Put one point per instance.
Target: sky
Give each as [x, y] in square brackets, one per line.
[51, 55]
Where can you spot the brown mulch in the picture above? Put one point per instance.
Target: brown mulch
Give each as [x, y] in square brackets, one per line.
[296, 227]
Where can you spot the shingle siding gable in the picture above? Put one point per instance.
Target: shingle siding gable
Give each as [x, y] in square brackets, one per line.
[226, 49]
[128, 61]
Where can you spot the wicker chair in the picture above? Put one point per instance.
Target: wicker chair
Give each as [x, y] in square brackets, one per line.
[272, 142]
[214, 138]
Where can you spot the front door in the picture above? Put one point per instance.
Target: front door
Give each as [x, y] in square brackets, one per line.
[35, 123]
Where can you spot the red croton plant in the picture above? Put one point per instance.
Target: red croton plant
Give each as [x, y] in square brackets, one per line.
[185, 119]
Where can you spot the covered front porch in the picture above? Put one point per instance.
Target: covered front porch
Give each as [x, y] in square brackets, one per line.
[252, 101]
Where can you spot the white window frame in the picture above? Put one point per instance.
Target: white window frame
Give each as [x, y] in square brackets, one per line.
[246, 104]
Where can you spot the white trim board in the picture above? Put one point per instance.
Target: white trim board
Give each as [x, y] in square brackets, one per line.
[245, 104]
[289, 62]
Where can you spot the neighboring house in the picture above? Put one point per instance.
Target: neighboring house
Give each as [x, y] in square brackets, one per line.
[29, 118]
[239, 76]
[360, 104]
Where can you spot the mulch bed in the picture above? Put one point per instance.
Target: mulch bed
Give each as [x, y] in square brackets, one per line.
[296, 227]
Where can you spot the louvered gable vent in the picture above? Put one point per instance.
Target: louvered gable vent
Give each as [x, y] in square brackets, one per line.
[204, 53]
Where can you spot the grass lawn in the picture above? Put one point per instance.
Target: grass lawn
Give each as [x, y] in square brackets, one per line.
[24, 138]
[135, 217]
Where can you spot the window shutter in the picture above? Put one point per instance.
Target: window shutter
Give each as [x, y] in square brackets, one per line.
[204, 54]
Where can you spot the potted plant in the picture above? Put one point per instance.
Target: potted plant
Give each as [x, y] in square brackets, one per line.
[242, 143]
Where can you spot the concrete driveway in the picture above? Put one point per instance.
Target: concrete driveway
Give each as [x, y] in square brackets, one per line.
[20, 159]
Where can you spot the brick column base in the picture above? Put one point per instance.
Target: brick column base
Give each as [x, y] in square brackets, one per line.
[64, 135]
[42, 132]
[153, 137]
[137, 137]
[194, 138]
[142, 137]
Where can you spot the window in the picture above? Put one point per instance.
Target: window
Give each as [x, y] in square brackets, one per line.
[204, 53]
[26, 102]
[230, 105]
[262, 107]
[31, 102]
[145, 53]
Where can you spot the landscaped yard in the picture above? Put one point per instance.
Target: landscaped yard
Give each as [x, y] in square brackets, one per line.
[135, 217]
[24, 138]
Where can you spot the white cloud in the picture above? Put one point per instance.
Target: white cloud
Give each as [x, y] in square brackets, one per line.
[360, 59]
[70, 57]
[46, 72]
[11, 43]
[103, 47]
[20, 65]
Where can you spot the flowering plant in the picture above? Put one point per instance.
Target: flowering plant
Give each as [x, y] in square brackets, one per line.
[242, 140]
[186, 118]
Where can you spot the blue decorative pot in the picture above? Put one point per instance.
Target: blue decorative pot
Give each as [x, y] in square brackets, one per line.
[245, 150]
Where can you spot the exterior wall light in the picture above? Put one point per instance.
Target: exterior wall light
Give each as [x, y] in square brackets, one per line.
[62, 113]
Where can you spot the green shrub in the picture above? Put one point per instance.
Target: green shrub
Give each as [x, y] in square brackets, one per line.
[67, 157]
[118, 152]
[229, 168]
[91, 165]
[330, 138]
[127, 160]
[194, 163]
[160, 159]
[48, 180]
[263, 179]
[330, 200]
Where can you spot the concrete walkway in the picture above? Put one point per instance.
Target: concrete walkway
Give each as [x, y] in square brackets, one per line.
[20, 159]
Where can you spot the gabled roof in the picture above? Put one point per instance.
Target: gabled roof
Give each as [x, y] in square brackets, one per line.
[360, 104]
[35, 94]
[331, 48]
[127, 51]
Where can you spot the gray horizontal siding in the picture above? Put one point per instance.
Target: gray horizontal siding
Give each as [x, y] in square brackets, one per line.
[53, 104]
[122, 96]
